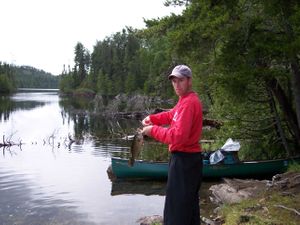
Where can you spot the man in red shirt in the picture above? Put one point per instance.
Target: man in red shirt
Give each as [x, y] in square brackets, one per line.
[182, 135]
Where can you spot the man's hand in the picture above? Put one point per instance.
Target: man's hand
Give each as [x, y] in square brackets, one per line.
[147, 130]
[146, 121]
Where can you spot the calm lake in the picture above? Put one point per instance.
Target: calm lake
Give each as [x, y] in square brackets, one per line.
[50, 180]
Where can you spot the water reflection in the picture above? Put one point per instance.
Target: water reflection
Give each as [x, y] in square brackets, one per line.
[106, 132]
[89, 123]
[121, 187]
[48, 181]
[63, 185]
[18, 207]
[7, 106]
[24, 101]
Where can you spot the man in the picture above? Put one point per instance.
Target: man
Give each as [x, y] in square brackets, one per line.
[182, 135]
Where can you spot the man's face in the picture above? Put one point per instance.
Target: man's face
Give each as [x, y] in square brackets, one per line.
[181, 85]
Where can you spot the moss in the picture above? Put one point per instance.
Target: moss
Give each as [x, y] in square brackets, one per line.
[263, 210]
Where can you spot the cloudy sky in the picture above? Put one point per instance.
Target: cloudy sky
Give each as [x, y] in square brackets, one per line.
[43, 33]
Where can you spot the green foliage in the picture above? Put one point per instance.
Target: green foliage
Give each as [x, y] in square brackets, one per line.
[238, 47]
[82, 64]
[130, 83]
[30, 77]
[66, 83]
[78, 76]
[245, 60]
[294, 167]
[104, 84]
[13, 77]
[7, 83]
[125, 62]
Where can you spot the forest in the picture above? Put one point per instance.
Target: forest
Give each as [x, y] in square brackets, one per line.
[245, 60]
[13, 77]
[7, 78]
[30, 77]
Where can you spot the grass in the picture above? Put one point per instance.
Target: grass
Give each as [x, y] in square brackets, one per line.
[263, 210]
[295, 167]
[270, 208]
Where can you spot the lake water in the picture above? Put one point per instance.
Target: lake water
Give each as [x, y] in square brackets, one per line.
[48, 180]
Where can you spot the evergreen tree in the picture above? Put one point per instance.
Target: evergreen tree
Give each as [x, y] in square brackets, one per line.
[245, 60]
[82, 63]
[240, 44]
[7, 78]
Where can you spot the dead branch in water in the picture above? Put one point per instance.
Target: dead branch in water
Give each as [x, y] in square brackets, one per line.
[8, 143]
[50, 140]
[71, 141]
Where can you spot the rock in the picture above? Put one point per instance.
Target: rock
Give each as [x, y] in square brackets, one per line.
[286, 182]
[207, 221]
[148, 220]
[236, 190]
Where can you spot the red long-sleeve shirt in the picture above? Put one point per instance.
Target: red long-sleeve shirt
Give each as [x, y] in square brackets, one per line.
[185, 125]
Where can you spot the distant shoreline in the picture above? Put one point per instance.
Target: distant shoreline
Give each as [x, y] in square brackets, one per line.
[37, 89]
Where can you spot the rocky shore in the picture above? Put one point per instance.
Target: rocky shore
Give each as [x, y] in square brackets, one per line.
[251, 200]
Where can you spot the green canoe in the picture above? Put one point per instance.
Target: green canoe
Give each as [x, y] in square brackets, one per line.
[159, 170]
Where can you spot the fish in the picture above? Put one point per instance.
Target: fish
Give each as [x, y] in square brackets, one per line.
[136, 147]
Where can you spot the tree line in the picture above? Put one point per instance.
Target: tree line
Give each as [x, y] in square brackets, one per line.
[125, 62]
[245, 60]
[13, 77]
[30, 77]
[7, 82]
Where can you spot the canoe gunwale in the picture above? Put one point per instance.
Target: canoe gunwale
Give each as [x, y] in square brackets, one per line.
[159, 169]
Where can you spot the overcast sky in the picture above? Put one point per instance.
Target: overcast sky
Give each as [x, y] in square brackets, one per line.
[43, 33]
